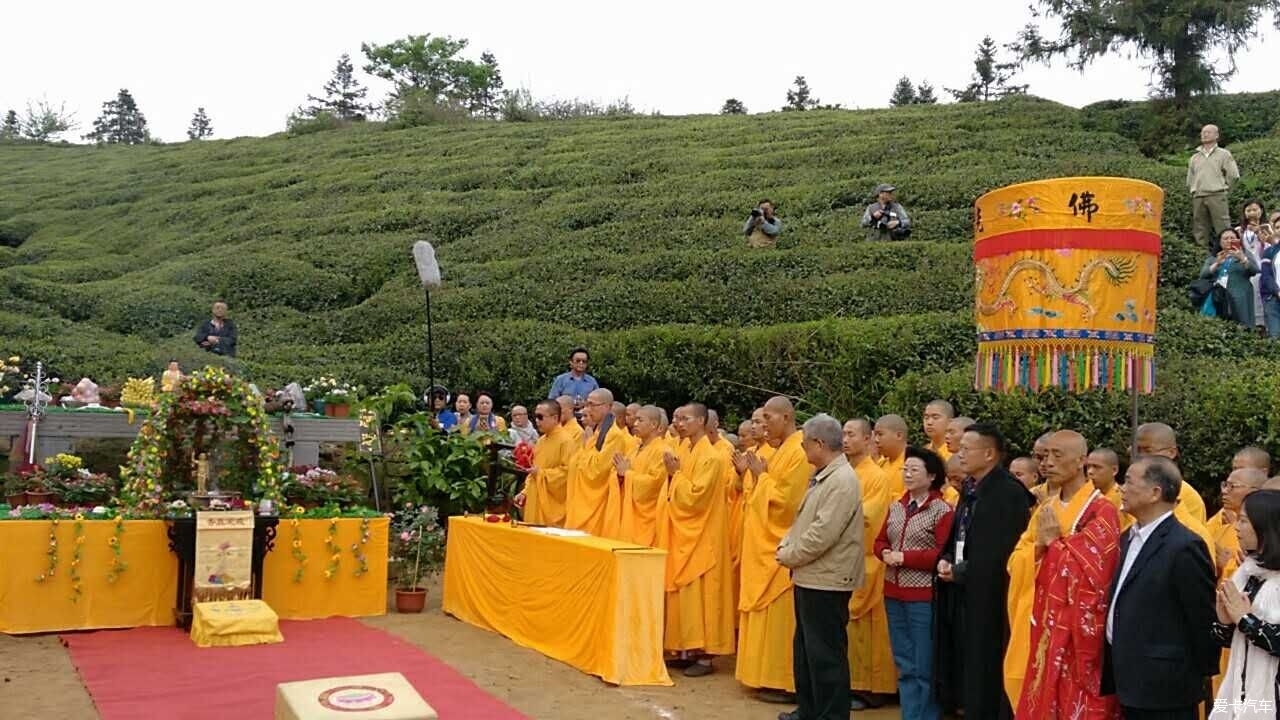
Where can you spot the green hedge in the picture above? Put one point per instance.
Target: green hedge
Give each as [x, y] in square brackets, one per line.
[1241, 117]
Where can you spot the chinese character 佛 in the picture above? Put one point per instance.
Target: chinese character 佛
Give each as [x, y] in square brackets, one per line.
[1083, 204]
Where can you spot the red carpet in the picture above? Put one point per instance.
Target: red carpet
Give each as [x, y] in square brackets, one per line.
[159, 673]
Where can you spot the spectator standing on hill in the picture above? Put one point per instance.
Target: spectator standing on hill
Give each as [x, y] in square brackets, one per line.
[886, 218]
[1211, 172]
[1255, 235]
[763, 226]
[576, 383]
[1230, 269]
[218, 334]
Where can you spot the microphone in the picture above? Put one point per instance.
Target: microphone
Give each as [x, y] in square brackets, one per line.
[424, 256]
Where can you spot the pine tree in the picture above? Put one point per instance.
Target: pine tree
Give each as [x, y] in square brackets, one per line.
[990, 77]
[343, 94]
[925, 94]
[11, 128]
[733, 106]
[121, 122]
[800, 97]
[904, 93]
[487, 93]
[201, 127]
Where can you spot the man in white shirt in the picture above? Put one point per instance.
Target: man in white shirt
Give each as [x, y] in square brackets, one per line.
[1159, 650]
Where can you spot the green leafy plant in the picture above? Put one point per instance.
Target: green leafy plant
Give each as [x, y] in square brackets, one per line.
[443, 470]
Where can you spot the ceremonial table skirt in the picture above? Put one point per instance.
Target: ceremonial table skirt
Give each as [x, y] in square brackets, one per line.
[145, 592]
[593, 603]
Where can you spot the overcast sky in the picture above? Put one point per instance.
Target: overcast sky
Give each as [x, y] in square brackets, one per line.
[250, 63]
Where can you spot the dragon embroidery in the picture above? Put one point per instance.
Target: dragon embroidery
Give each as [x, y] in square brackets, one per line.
[1040, 278]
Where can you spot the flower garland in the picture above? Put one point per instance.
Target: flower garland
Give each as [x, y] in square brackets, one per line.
[226, 399]
[357, 549]
[335, 551]
[52, 552]
[118, 565]
[298, 555]
[75, 558]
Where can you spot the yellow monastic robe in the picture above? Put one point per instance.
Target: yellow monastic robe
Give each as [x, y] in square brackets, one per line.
[766, 620]
[633, 442]
[545, 491]
[941, 450]
[1197, 526]
[871, 667]
[1113, 495]
[594, 502]
[691, 528]
[733, 510]
[641, 490]
[1224, 538]
[950, 494]
[574, 429]
[1189, 499]
[1022, 585]
[893, 474]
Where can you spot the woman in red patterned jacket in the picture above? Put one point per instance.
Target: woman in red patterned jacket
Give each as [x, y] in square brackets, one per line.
[914, 532]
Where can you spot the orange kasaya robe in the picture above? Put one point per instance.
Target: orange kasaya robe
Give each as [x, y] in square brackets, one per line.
[574, 429]
[733, 512]
[594, 501]
[1191, 502]
[1224, 538]
[545, 491]
[1063, 674]
[871, 667]
[941, 450]
[893, 474]
[766, 608]
[1113, 497]
[691, 528]
[642, 488]
[950, 494]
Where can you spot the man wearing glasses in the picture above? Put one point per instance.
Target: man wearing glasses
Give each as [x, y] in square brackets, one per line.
[546, 485]
[576, 383]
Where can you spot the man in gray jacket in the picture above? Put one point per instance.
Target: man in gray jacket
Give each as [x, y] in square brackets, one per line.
[823, 550]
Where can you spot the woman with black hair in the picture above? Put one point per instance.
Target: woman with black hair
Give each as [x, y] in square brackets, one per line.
[914, 531]
[1249, 613]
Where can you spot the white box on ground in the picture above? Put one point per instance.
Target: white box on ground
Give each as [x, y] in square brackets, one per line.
[386, 696]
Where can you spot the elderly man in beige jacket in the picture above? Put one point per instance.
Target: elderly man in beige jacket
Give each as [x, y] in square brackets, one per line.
[823, 550]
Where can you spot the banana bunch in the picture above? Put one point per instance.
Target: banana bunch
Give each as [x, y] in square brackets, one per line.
[138, 392]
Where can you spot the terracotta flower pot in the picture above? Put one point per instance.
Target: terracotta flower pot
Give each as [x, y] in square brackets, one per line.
[337, 411]
[16, 499]
[36, 497]
[411, 600]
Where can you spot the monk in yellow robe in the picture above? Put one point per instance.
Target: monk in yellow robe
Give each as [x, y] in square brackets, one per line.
[937, 415]
[871, 668]
[1074, 557]
[732, 498]
[955, 431]
[644, 478]
[1245, 479]
[1103, 468]
[621, 419]
[568, 420]
[1160, 439]
[766, 609]
[594, 500]
[891, 449]
[546, 485]
[691, 528]
[1027, 471]
[955, 480]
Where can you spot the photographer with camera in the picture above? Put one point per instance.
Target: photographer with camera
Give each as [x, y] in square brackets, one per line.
[886, 219]
[763, 226]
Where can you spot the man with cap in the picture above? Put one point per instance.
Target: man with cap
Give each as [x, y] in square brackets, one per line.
[885, 218]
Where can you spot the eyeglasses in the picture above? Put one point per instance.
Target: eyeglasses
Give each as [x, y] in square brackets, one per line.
[1228, 485]
[539, 417]
[594, 404]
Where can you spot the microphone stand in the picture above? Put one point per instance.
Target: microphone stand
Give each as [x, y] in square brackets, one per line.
[431, 360]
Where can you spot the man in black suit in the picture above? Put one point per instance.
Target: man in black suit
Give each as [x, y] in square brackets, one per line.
[973, 624]
[1159, 647]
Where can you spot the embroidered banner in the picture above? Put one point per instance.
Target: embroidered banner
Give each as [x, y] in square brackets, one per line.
[1065, 277]
[224, 555]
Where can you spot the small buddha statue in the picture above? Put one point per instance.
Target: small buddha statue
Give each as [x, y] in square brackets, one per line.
[202, 474]
[171, 378]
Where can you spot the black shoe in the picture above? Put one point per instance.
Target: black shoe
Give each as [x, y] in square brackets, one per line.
[793, 715]
[776, 697]
[698, 670]
[677, 663]
[857, 704]
[870, 701]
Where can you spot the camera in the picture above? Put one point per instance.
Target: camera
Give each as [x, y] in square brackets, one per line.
[755, 212]
[885, 219]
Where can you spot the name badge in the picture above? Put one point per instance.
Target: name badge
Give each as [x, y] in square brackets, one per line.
[959, 551]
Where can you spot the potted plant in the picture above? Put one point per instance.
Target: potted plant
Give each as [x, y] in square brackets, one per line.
[338, 400]
[15, 490]
[417, 542]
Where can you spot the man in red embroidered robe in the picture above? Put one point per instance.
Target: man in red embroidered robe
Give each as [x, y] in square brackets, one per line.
[1077, 549]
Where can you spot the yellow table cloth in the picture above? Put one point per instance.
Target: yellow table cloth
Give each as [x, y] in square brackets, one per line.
[344, 593]
[593, 603]
[141, 595]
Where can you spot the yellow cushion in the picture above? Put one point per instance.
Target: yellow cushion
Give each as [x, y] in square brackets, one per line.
[234, 622]
[386, 696]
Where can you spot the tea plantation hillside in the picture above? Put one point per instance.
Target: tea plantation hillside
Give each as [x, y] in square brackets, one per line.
[621, 234]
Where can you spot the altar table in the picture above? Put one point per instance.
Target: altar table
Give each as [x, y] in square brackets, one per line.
[593, 603]
[145, 592]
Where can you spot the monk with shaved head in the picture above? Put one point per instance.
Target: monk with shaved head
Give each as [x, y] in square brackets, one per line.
[1160, 439]
[891, 447]
[594, 502]
[571, 425]
[1060, 607]
[693, 529]
[871, 668]
[643, 476]
[766, 604]
[955, 431]
[937, 415]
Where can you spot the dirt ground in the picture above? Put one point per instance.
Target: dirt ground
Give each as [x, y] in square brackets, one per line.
[39, 682]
